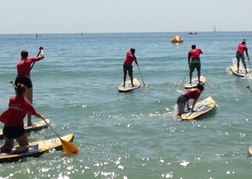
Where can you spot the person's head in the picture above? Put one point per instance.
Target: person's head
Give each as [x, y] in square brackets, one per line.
[193, 46]
[20, 90]
[200, 86]
[132, 50]
[244, 41]
[24, 54]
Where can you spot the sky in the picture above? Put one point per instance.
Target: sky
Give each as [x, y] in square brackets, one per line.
[108, 16]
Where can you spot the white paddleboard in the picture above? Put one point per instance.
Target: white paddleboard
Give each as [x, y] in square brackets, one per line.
[194, 83]
[128, 86]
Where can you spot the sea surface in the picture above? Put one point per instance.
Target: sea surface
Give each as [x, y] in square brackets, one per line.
[132, 135]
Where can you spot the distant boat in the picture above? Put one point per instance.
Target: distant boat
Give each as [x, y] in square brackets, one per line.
[214, 30]
[192, 33]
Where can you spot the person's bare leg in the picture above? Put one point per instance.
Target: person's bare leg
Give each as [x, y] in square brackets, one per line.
[8, 145]
[180, 108]
[23, 145]
[238, 64]
[131, 77]
[29, 96]
[190, 77]
[199, 76]
[244, 64]
[124, 79]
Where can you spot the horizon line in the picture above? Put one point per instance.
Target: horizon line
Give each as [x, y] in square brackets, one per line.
[54, 33]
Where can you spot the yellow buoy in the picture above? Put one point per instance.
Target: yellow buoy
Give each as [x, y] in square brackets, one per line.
[177, 39]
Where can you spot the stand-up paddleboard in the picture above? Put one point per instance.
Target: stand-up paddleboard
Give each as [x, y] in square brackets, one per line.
[201, 108]
[242, 71]
[36, 127]
[37, 148]
[128, 87]
[250, 151]
[194, 83]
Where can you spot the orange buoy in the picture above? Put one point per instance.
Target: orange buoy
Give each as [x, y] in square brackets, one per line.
[177, 39]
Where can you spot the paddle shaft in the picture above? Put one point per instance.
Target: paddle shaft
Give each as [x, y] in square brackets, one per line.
[185, 77]
[37, 56]
[13, 84]
[249, 88]
[140, 74]
[68, 147]
[52, 129]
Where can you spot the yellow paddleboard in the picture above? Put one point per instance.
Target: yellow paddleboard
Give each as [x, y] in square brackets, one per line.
[250, 151]
[201, 108]
[128, 87]
[37, 148]
[242, 71]
[36, 126]
[195, 82]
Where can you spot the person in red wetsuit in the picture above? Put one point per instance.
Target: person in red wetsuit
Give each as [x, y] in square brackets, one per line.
[241, 48]
[182, 100]
[194, 61]
[23, 74]
[13, 119]
[127, 66]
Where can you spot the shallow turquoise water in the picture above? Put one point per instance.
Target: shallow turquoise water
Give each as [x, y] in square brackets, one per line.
[132, 135]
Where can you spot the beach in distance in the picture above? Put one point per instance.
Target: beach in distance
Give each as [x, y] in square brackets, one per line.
[133, 135]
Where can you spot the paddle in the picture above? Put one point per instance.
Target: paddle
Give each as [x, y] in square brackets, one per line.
[248, 60]
[249, 88]
[40, 48]
[140, 74]
[13, 84]
[68, 147]
[185, 77]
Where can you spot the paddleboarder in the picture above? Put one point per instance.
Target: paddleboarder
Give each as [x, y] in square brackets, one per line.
[13, 119]
[183, 100]
[194, 61]
[127, 66]
[241, 48]
[24, 66]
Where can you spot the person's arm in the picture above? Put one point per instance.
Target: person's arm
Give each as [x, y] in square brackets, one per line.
[201, 51]
[30, 109]
[247, 53]
[39, 56]
[38, 115]
[187, 104]
[135, 59]
[41, 53]
[194, 102]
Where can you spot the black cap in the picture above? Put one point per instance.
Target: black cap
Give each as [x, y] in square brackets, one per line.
[200, 86]
[132, 50]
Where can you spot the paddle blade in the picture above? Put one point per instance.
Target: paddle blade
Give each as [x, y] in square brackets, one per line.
[69, 148]
[146, 85]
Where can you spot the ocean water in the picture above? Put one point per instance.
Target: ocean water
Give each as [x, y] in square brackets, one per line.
[133, 135]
